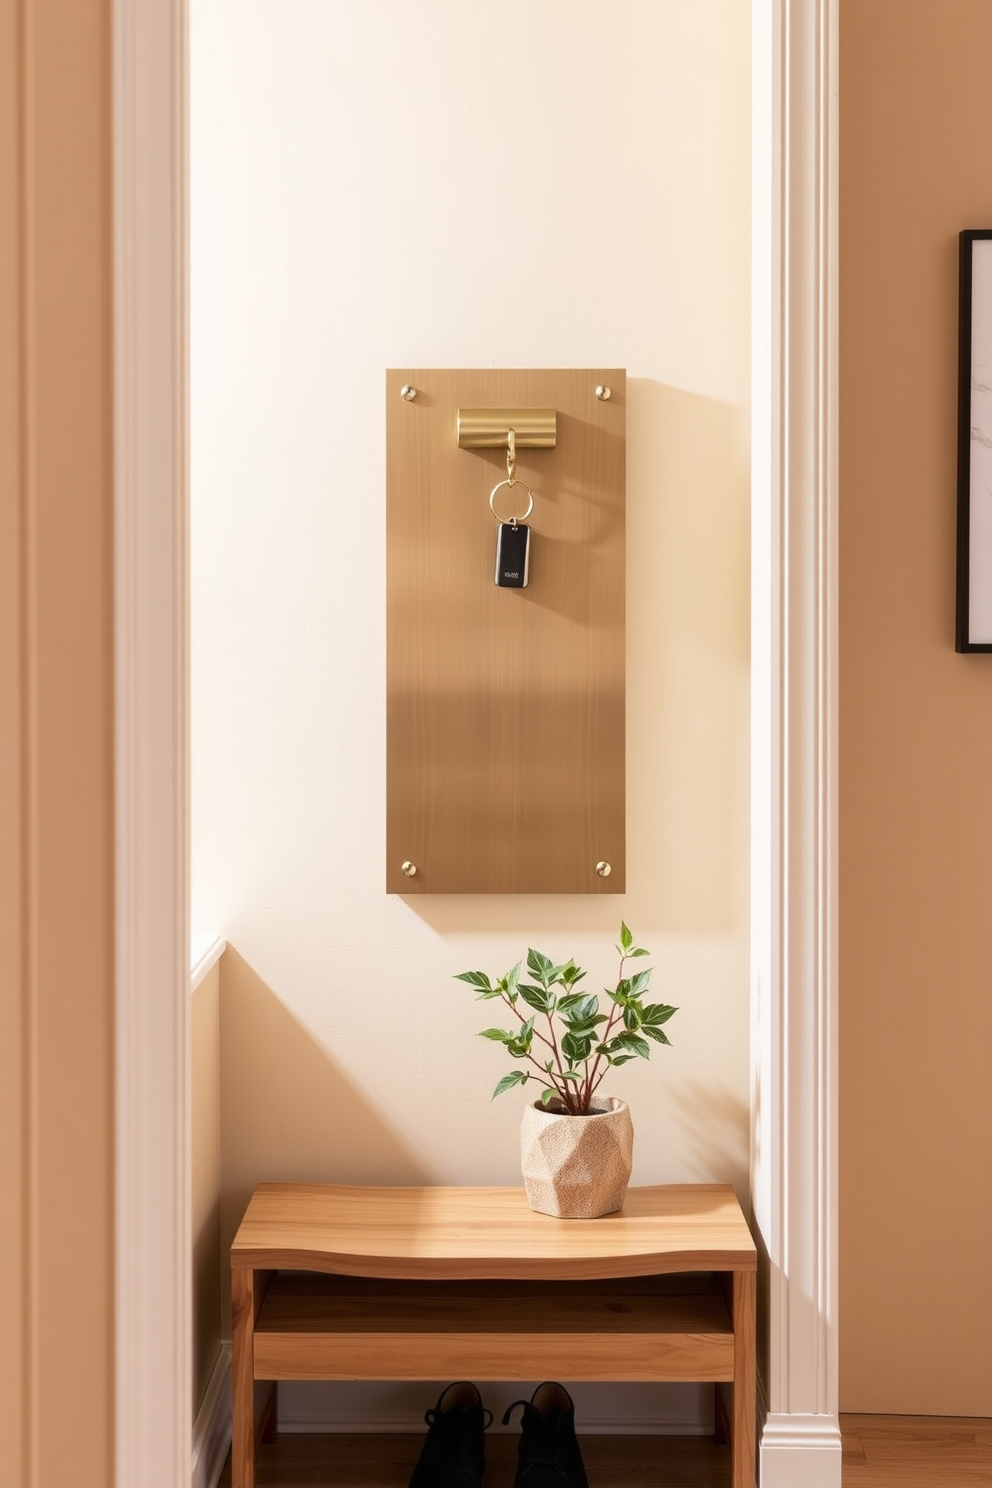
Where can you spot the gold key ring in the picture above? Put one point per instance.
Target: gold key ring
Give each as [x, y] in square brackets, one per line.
[512, 520]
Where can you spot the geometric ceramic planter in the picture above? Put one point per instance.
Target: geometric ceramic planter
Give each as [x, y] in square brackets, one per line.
[577, 1167]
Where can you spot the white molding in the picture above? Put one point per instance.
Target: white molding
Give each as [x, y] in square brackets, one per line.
[205, 951]
[800, 1452]
[794, 744]
[212, 1427]
[152, 1288]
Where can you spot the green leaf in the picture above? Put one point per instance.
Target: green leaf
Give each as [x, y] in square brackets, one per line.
[474, 979]
[588, 1025]
[576, 1047]
[547, 1094]
[626, 939]
[516, 1077]
[639, 983]
[631, 1019]
[568, 1075]
[485, 996]
[540, 965]
[536, 997]
[579, 1011]
[638, 951]
[633, 1043]
[618, 1059]
[519, 1045]
[498, 1035]
[657, 1013]
[572, 974]
[656, 1034]
[512, 978]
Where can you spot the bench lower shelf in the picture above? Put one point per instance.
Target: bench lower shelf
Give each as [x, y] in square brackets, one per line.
[313, 1327]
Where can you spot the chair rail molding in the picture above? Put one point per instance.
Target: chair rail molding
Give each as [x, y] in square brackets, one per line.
[153, 1416]
[794, 731]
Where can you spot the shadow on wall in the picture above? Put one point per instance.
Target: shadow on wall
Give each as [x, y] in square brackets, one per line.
[713, 1127]
[288, 1111]
[688, 660]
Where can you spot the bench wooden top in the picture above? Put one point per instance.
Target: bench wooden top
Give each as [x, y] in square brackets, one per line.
[437, 1233]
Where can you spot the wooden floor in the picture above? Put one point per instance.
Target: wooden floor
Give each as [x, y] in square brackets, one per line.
[917, 1451]
[879, 1452]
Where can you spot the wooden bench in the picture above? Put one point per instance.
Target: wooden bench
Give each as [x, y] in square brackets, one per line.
[469, 1283]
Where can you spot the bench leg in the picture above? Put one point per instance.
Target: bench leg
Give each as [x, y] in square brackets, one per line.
[743, 1443]
[266, 1411]
[242, 1379]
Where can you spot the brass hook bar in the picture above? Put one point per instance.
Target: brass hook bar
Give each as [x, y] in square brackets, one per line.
[489, 428]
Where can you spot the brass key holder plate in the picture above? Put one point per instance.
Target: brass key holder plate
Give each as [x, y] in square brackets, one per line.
[505, 707]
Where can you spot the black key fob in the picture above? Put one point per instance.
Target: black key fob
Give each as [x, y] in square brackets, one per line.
[512, 555]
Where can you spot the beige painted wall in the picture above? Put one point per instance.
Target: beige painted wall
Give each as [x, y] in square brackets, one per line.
[421, 187]
[205, 1178]
[56, 757]
[916, 727]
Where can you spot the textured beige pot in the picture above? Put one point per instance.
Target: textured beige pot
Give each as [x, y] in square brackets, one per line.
[577, 1167]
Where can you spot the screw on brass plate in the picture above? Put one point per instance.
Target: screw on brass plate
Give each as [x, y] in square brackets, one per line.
[604, 870]
[410, 869]
[408, 392]
[603, 393]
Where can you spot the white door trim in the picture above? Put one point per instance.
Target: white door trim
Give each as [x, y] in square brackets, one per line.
[794, 740]
[794, 722]
[153, 1414]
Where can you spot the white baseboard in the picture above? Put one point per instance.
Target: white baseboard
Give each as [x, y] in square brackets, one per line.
[607, 1409]
[212, 1427]
[799, 1451]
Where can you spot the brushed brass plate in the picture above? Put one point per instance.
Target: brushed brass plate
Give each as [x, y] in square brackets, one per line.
[486, 428]
[505, 707]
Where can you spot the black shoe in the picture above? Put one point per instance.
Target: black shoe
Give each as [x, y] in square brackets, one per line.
[548, 1455]
[454, 1453]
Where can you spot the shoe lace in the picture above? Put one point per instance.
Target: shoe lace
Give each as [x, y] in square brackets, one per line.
[433, 1415]
[543, 1449]
[448, 1442]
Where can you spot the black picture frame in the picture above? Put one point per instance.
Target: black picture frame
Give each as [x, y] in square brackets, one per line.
[974, 547]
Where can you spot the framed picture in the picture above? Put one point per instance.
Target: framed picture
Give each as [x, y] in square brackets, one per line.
[974, 609]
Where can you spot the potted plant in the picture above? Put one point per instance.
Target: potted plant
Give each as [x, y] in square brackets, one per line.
[576, 1144]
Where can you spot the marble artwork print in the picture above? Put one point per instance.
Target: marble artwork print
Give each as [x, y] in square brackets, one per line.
[980, 482]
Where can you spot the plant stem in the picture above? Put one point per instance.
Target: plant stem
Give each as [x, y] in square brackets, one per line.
[575, 1101]
[569, 1097]
[547, 1078]
[516, 1014]
[592, 1084]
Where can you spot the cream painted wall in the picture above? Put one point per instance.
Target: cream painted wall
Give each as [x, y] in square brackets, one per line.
[383, 185]
[916, 727]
